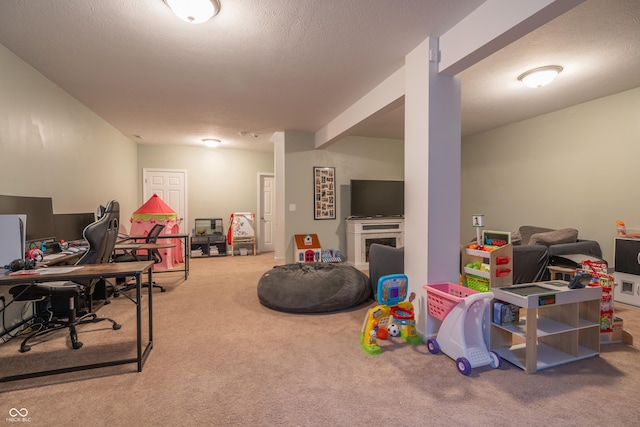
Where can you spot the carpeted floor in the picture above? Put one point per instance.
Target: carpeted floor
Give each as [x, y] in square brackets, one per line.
[222, 359]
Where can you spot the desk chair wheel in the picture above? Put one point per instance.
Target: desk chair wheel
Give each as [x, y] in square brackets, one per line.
[132, 286]
[73, 334]
[74, 342]
[155, 285]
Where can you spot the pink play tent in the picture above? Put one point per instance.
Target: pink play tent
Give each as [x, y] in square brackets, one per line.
[152, 212]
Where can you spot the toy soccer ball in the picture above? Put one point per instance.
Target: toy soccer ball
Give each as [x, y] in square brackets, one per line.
[393, 329]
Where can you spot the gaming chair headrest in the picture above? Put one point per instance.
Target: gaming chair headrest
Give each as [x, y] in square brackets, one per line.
[112, 207]
[101, 235]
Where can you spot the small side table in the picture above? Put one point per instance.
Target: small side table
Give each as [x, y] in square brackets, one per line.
[560, 325]
[561, 273]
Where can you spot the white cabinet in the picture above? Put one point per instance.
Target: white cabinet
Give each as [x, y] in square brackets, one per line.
[559, 325]
[362, 233]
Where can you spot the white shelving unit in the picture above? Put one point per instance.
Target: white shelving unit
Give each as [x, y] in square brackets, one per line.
[559, 325]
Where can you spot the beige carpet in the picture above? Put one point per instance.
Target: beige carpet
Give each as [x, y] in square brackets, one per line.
[222, 359]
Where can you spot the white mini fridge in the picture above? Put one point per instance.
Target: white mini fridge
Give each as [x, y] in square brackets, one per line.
[627, 271]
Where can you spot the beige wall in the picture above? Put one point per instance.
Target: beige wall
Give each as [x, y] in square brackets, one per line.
[220, 181]
[571, 168]
[53, 146]
[353, 158]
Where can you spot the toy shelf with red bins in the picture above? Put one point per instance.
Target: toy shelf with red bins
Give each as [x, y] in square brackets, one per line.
[500, 268]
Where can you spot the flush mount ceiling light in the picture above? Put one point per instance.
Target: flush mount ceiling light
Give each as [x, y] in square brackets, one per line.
[210, 142]
[539, 77]
[194, 11]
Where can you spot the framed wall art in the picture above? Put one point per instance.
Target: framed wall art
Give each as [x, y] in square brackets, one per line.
[324, 193]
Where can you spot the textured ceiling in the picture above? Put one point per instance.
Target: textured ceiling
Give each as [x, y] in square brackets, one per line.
[264, 66]
[597, 43]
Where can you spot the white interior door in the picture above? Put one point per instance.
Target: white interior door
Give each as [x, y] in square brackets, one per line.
[266, 213]
[171, 186]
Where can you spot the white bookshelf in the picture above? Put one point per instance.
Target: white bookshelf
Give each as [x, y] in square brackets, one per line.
[557, 325]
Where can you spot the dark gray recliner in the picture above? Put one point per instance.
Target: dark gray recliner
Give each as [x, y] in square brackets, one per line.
[533, 251]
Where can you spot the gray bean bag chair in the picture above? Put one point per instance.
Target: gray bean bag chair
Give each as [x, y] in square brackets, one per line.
[313, 287]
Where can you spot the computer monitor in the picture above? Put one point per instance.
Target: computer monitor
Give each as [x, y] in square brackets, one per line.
[39, 211]
[69, 227]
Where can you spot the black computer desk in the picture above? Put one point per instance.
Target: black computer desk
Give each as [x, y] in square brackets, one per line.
[89, 272]
[186, 246]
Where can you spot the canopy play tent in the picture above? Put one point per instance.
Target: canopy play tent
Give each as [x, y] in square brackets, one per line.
[152, 212]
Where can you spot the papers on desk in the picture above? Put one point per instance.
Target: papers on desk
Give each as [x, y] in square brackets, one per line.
[25, 273]
[58, 270]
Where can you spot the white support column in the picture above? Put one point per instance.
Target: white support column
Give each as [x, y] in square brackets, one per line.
[279, 235]
[432, 174]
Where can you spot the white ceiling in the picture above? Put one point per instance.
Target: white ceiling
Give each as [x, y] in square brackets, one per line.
[265, 66]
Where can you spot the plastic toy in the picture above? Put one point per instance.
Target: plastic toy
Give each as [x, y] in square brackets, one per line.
[393, 330]
[307, 248]
[454, 325]
[392, 317]
[622, 231]
[35, 254]
[383, 333]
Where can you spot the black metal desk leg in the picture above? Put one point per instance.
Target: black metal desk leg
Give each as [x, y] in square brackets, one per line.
[139, 319]
[150, 273]
[187, 254]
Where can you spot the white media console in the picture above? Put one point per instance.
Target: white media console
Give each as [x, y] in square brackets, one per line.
[362, 232]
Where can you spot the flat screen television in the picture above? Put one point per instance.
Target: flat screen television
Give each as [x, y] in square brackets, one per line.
[376, 198]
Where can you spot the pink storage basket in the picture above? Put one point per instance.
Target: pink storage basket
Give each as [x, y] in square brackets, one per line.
[442, 297]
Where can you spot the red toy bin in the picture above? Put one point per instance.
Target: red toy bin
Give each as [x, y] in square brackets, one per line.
[442, 297]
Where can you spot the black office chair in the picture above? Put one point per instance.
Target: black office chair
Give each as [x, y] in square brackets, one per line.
[101, 237]
[151, 254]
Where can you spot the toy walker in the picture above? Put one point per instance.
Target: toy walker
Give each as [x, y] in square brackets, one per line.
[392, 317]
[456, 316]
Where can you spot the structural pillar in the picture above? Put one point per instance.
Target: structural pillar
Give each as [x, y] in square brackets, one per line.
[432, 174]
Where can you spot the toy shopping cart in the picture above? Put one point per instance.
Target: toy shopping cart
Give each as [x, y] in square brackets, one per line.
[456, 316]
